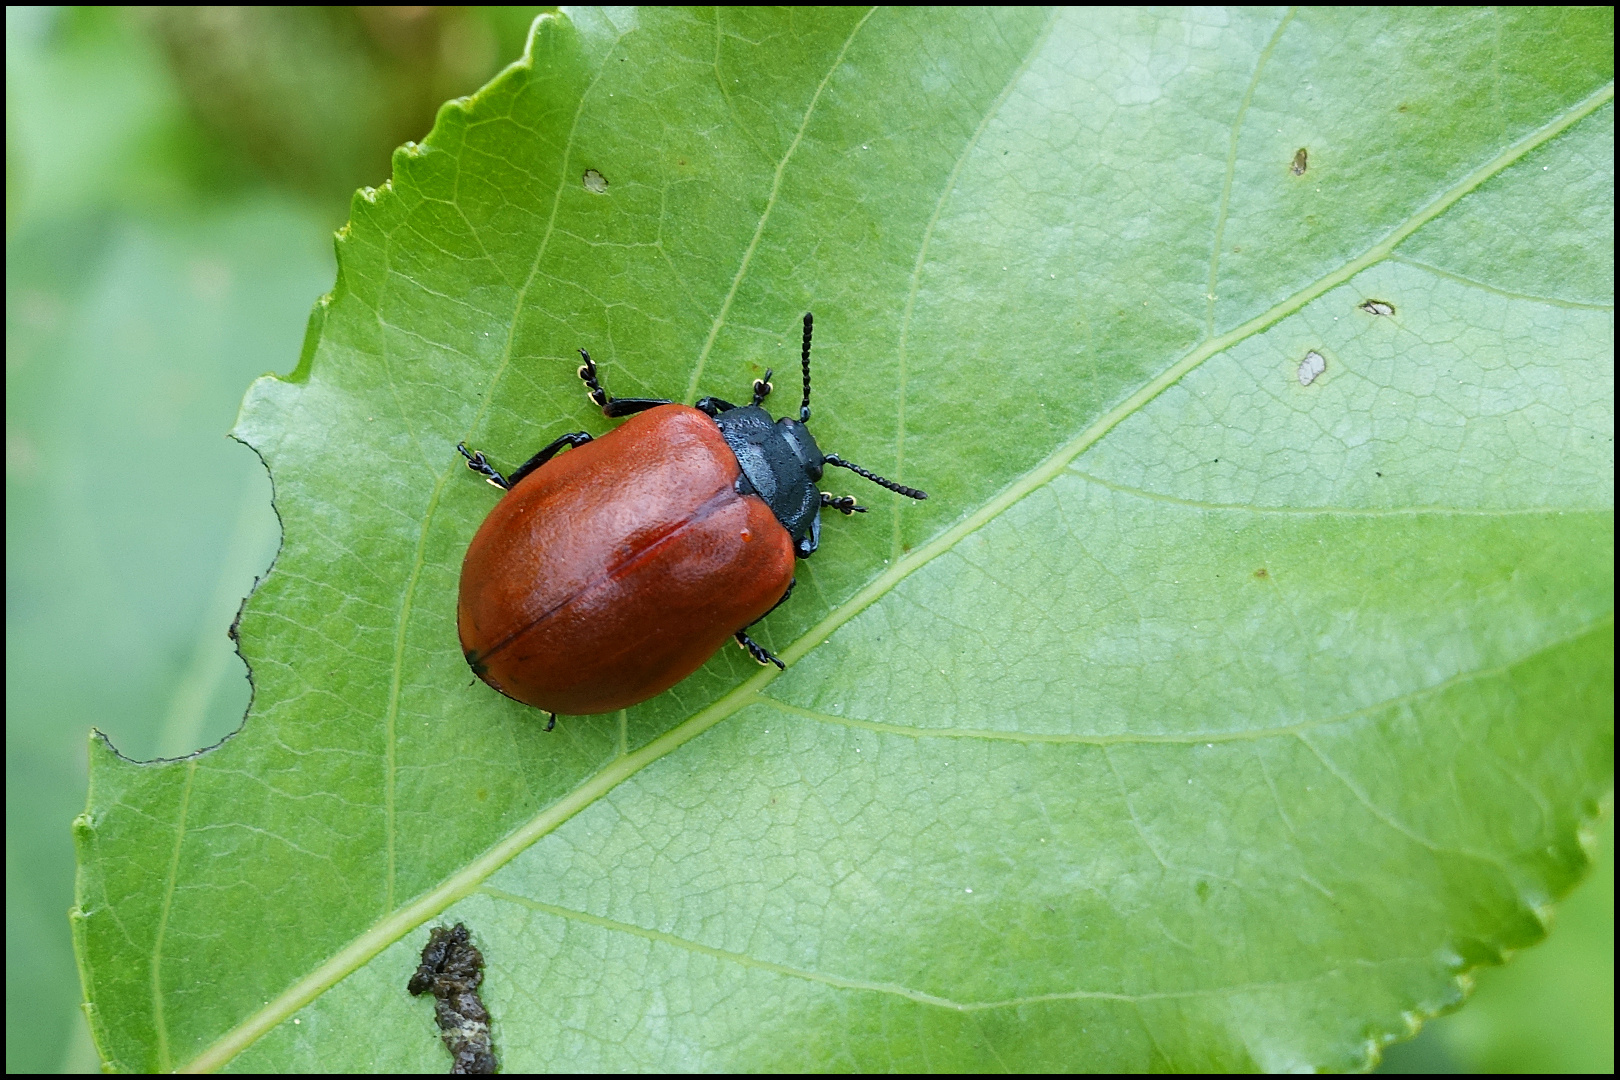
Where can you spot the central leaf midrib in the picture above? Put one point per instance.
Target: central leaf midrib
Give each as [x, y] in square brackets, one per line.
[462, 883]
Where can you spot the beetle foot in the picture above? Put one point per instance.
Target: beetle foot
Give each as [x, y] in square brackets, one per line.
[844, 504]
[760, 653]
[552, 722]
[763, 388]
[480, 465]
[587, 375]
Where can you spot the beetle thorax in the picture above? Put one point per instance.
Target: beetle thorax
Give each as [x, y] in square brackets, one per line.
[780, 463]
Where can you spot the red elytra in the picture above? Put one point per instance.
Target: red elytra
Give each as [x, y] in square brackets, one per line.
[614, 570]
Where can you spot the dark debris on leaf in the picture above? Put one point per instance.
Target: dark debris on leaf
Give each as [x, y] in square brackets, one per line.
[451, 969]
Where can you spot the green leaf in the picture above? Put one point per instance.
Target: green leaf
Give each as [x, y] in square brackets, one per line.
[1200, 719]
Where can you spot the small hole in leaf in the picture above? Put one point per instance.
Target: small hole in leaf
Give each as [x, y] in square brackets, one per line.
[595, 182]
[1310, 367]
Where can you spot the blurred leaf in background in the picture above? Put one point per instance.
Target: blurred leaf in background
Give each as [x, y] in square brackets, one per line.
[172, 179]
[317, 97]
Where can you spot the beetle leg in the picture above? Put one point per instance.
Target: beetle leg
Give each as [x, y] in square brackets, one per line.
[573, 438]
[610, 405]
[551, 723]
[844, 504]
[810, 541]
[754, 648]
[624, 406]
[713, 406]
[477, 463]
[791, 582]
[763, 388]
[760, 653]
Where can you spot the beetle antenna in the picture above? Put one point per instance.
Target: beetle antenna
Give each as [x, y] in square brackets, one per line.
[804, 362]
[901, 489]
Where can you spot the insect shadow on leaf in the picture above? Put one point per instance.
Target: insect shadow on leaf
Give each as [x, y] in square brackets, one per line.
[451, 969]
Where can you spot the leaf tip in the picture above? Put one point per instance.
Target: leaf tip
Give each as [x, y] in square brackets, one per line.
[541, 21]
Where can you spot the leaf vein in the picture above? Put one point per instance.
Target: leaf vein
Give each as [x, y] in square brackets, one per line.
[922, 256]
[1335, 511]
[1472, 283]
[1389, 819]
[895, 989]
[765, 215]
[1191, 738]
[1231, 169]
[159, 1021]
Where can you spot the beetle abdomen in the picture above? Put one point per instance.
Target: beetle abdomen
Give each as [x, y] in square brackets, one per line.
[615, 570]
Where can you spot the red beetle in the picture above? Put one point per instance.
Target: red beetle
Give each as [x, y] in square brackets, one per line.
[610, 573]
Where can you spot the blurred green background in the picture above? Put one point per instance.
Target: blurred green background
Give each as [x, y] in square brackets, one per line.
[173, 176]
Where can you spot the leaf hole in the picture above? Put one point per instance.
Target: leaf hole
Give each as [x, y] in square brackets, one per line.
[1311, 367]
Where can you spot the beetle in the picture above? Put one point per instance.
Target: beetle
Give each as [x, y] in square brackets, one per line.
[607, 574]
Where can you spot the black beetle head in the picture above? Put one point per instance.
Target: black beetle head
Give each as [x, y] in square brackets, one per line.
[780, 463]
